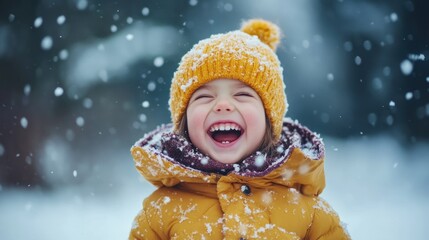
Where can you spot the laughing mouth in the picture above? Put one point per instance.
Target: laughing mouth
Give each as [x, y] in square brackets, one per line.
[225, 133]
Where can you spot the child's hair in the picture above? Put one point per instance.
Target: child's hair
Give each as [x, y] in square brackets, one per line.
[247, 55]
[267, 144]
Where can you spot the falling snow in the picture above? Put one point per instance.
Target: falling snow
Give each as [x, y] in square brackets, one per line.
[129, 37]
[142, 117]
[394, 17]
[82, 4]
[409, 95]
[58, 91]
[145, 104]
[24, 122]
[145, 11]
[87, 103]
[63, 54]
[47, 43]
[358, 60]
[158, 61]
[416, 57]
[406, 67]
[367, 45]
[27, 89]
[151, 86]
[205, 161]
[38, 22]
[61, 20]
[260, 160]
[80, 121]
[383, 77]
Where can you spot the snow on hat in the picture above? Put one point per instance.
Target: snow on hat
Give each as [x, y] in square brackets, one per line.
[247, 55]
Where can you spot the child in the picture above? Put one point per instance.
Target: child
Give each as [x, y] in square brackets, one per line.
[229, 166]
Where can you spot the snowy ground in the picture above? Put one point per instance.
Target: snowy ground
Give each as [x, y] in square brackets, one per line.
[378, 188]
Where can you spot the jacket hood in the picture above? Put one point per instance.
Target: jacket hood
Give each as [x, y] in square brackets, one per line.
[167, 159]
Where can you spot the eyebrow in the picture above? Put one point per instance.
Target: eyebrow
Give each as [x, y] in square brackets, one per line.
[241, 85]
[205, 86]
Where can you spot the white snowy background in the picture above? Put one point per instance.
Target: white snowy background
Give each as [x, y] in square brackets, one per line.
[90, 91]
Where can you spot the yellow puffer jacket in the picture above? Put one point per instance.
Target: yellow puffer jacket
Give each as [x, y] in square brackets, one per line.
[263, 197]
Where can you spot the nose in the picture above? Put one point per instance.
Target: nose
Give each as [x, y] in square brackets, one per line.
[223, 105]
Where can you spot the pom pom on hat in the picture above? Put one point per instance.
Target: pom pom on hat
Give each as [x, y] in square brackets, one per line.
[247, 55]
[267, 32]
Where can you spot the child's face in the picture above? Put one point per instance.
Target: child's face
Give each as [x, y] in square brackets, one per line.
[226, 120]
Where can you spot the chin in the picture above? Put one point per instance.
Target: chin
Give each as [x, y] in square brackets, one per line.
[227, 160]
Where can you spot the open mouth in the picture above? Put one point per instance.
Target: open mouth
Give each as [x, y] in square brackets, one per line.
[225, 133]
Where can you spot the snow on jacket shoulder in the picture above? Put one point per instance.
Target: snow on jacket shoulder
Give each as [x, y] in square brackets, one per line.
[262, 197]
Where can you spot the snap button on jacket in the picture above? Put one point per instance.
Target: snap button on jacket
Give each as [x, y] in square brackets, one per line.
[245, 189]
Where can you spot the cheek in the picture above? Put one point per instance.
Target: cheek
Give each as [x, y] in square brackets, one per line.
[255, 116]
[195, 119]
[195, 126]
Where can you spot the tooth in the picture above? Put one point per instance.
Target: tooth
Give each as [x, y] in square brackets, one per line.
[225, 127]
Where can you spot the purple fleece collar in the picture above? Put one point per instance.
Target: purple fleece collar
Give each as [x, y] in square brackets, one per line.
[179, 150]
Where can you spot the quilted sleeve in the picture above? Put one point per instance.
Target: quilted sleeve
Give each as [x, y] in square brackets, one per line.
[326, 224]
[141, 228]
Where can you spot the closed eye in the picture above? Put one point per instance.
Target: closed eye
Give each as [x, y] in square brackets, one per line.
[202, 96]
[244, 94]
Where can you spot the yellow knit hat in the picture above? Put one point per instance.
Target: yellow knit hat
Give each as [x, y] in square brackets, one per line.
[247, 55]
